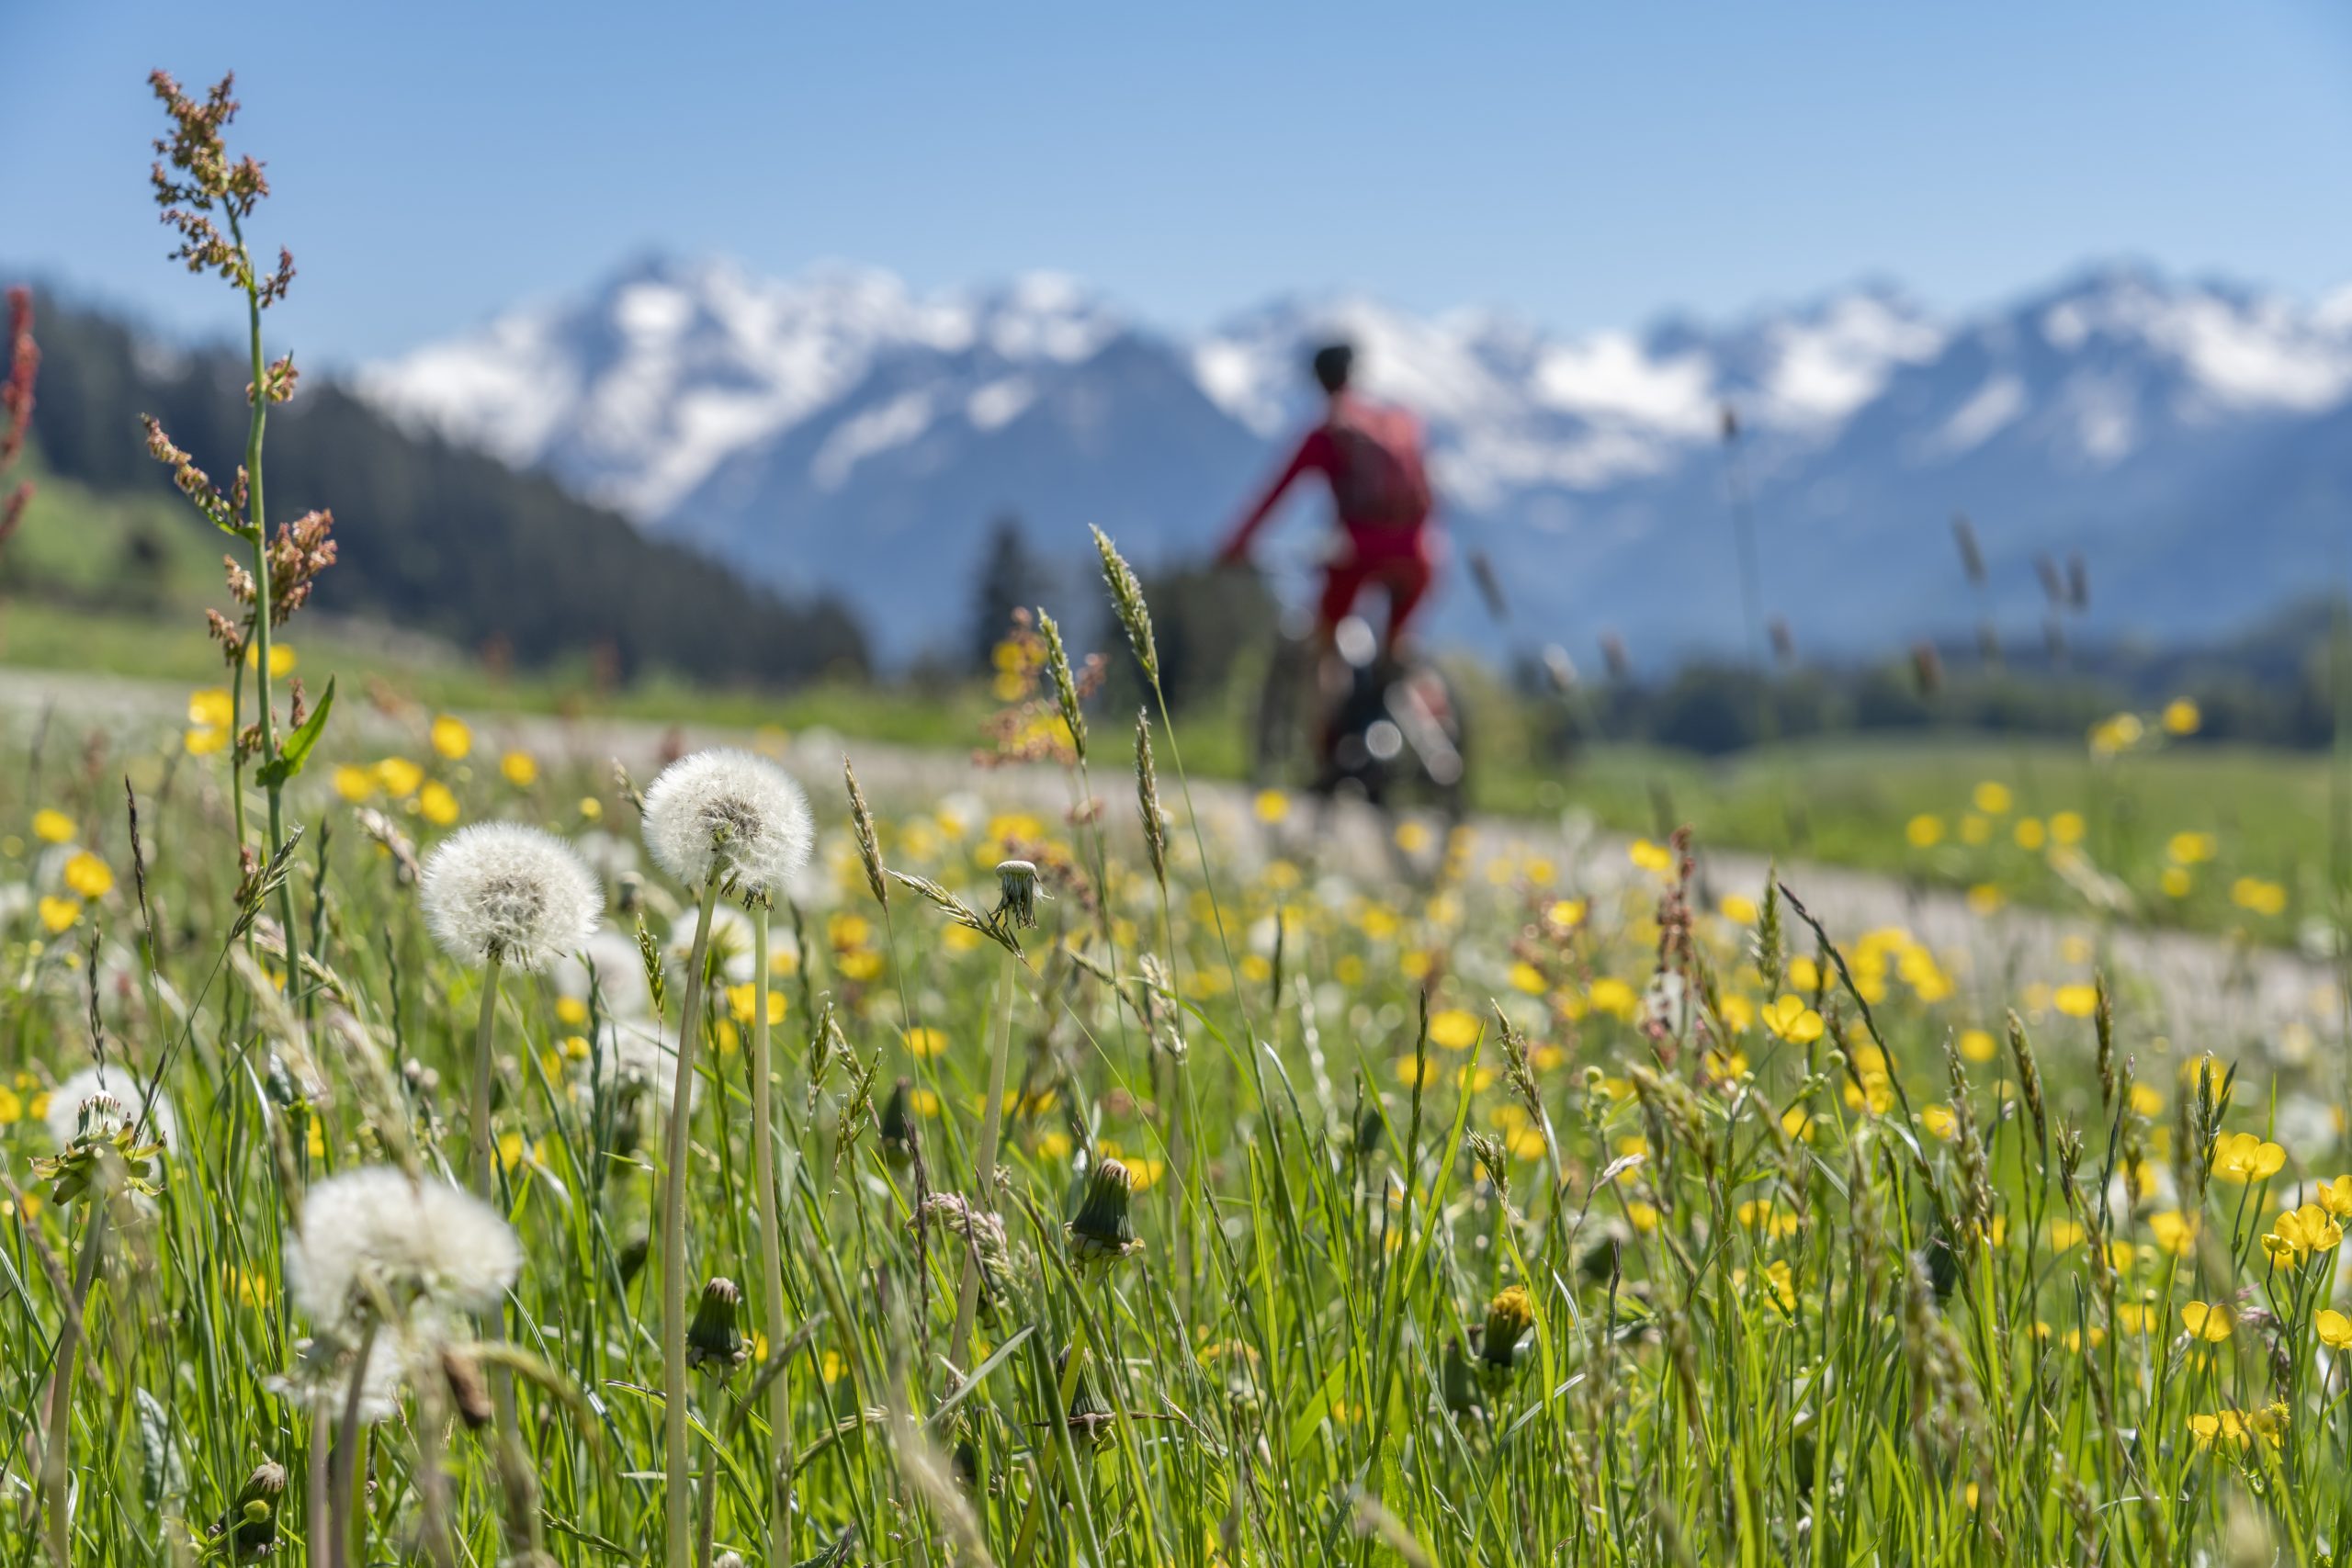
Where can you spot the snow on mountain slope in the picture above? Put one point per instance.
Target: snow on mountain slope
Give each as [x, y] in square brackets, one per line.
[636, 394]
[840, 428]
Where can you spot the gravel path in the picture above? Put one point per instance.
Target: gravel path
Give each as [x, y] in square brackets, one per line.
[2205, 992]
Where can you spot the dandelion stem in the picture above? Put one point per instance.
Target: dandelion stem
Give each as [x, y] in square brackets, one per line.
[56, 1457]
[485, 1171]
[763, 1135]
[984, 1170]
[344, 1533]
[677, 1514]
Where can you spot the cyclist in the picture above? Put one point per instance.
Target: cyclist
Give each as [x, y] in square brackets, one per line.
[1369, 455]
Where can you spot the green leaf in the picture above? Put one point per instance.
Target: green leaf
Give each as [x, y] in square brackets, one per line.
[290, 756]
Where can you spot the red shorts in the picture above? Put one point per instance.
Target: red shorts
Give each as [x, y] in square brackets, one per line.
[1400, 561]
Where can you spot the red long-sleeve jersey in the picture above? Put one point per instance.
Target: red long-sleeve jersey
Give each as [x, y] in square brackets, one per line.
[1370, 453]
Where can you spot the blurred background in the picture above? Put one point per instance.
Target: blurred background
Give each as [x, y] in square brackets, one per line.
[757, 363]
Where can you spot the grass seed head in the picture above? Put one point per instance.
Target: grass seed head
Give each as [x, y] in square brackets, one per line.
[1065, 684]
[1154, 817]
[1126, 600]
[869, 847]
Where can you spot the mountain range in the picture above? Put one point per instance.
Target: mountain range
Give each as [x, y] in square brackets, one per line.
[839, 430]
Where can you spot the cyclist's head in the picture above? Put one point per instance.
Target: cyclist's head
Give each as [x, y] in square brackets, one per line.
[1332, 364]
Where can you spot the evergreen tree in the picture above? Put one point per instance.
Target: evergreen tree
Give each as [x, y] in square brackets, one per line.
[1011, 577]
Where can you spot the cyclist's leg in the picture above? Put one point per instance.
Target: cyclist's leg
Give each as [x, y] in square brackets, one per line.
[1344, 581]
[1343, 584]
[1408, 581]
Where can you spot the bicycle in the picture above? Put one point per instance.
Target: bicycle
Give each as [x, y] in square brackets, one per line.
[1366, 726]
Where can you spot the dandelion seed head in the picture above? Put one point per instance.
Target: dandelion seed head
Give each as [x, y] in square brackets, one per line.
[117, 1083]
[610, 962]
[731, 812]
[631, 1054]
[425, 1239]
[516, 892]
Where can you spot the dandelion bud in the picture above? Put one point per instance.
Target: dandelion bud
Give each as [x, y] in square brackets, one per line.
[500, 892]
[1457, 1381]
[1371, 1128]
[1017, 894]
[1089, 1416]
[729, 815]
[1104, 1231]
[251, 1523]
[1510, 1316]
[469, 1392]
[713, 1339]
[897, 1127]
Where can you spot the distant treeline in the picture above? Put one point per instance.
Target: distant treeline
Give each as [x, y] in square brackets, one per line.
[2272, 685]
[432, 538]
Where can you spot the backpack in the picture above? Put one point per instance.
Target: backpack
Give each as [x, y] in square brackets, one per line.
[1380, 481]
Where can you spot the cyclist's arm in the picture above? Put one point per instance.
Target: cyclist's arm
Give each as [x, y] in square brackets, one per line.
[1313, 453]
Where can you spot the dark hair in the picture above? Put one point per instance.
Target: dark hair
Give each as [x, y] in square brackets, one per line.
[1332, 363]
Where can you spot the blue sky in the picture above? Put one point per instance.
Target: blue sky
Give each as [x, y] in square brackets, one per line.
[1588, 166]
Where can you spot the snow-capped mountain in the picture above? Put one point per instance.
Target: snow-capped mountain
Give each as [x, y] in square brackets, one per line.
[840, 429]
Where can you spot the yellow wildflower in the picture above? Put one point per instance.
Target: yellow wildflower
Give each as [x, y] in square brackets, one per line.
[1789, 1019]
[1455, 1029]
[440, 807]
[2209, 1321]
[88, 875]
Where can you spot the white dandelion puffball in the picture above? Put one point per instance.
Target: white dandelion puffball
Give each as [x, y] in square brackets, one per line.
[608, 960]
[425, 1239]
[502, 890]
[126, 1087]
[632, 1053]
[729, 811]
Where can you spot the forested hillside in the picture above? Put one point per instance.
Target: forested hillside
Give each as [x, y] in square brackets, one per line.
[434, 538]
